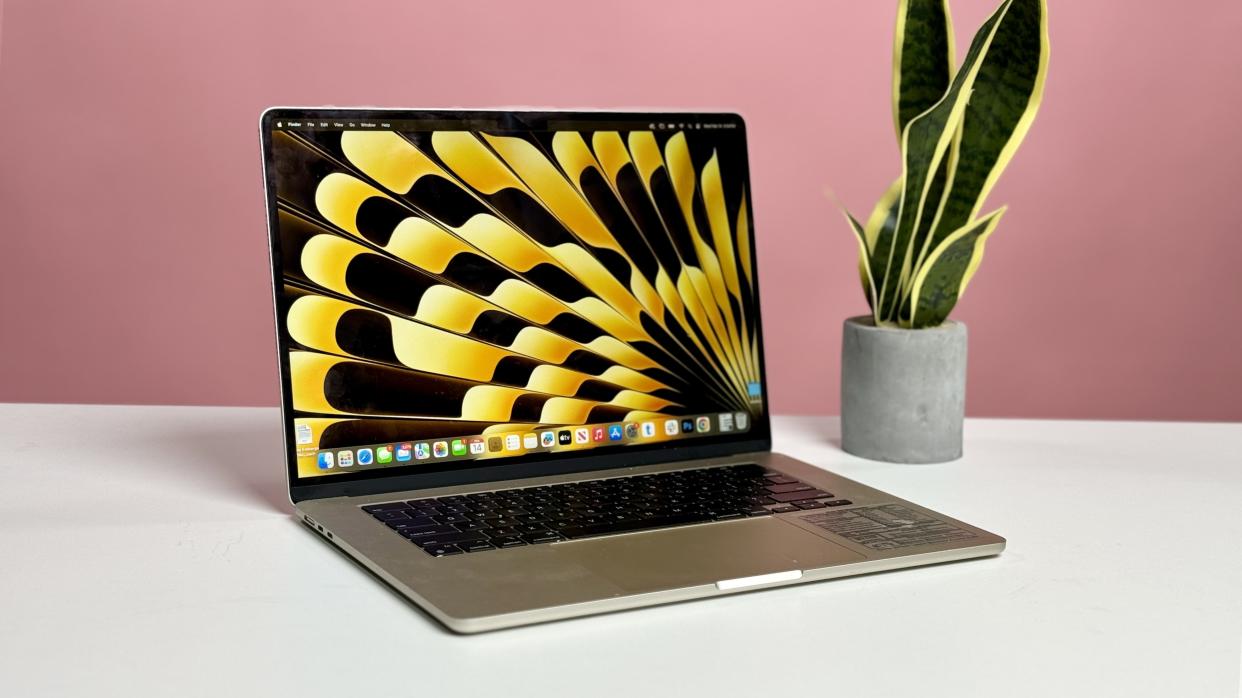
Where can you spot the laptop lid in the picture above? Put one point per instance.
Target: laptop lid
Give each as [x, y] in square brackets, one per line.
[472, 296]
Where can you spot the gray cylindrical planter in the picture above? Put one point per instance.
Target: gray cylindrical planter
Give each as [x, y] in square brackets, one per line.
[903, 392]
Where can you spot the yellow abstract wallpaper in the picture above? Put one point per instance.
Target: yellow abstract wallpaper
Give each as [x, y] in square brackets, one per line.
[447, 283]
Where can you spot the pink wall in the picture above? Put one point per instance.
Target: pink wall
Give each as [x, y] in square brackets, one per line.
[133, 242]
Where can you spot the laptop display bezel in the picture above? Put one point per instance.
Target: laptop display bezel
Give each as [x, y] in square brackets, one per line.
[756, 439]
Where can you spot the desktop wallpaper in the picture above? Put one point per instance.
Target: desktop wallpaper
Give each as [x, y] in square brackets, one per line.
[452, 283]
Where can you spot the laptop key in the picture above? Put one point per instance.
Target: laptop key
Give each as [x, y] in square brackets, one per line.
[453, 538]
[794, 486]
[781, 480]
[545, 537]
[390, 506]
[391, 515]
[442, 550]
[476, 546]
[784, 509]
[508, 542]
[399, 524]
[798, 496]
[838, 503]
[423, 531]
[809, 504]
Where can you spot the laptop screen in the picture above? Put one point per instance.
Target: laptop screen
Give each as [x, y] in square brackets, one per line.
[453, 288]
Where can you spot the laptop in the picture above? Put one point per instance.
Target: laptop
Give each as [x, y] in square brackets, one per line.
[521, 367]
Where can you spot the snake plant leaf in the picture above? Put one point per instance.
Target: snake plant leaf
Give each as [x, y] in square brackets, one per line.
[883, 218]
[924, 142]
[864, 257]
[879, 233]
[1007, 96]
[937, 192]
[937, 189]
[943, 278]
[922, 58]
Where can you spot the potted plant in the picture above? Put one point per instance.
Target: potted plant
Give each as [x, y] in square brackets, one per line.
[903, 368]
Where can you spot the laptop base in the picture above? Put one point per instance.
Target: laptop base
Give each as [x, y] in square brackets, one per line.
[503, 588]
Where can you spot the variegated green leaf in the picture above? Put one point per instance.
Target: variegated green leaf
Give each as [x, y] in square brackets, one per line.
[922, 58]
[925, 141]
[943, 277]
[936, 191]
[864, 257]
[879, 233]
[883, 218]
[1007, 95]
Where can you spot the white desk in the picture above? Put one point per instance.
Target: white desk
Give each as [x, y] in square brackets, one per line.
[149, 551]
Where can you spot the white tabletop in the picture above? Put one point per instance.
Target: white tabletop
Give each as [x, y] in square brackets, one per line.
[150, 551]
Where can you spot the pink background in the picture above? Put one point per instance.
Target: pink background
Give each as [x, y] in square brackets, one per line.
[133, 241]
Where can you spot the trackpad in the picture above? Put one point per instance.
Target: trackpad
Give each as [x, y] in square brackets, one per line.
[695, 555]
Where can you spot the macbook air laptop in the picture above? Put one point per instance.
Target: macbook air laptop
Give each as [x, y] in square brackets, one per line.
[522, 367]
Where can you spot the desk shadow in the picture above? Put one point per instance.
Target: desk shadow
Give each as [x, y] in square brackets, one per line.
[243, 457]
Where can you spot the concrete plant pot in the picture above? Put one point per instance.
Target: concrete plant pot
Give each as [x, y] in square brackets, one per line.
[903, 392]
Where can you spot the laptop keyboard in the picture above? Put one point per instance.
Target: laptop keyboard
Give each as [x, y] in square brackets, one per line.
[533, 515]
